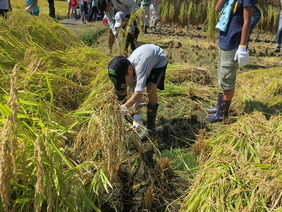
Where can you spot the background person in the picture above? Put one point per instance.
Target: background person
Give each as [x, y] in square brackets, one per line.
[154, 14]
[85, 4]
[51, 8]
[255, 19]
[32, 7]
[93, 16]
[73, 5]
[145, 5]
[279, 30]
[5, 6]
[110, 8]
[122, 21]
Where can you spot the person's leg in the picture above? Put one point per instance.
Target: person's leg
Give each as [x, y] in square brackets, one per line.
[227, 70]
[95, 16]
[255, 19]
[145, 14]
[228, 94]
[111, 40]
[81, 10]
[279, 33]
[152, 106]
[85, 12]
[152, 93]
[154, 16]
[51, 8]
[68, 9]
[91, 12]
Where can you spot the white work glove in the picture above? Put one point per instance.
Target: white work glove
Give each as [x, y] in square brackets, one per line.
[118, 41]
[242, 55]
[138, 123]
[123, 109]
[28, 9]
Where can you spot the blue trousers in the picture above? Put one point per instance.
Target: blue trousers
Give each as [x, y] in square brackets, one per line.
[279, 31]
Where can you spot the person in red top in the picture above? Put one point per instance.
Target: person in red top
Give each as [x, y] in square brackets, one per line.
[73, 4]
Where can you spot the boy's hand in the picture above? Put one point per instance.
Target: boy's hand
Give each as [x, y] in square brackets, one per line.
[138, 124]
[124, 110]
[242, 55]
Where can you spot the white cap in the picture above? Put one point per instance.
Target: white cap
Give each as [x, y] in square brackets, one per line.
[118, 18]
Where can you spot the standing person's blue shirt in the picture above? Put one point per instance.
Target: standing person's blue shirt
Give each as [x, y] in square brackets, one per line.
[230, 39]
[32, 7]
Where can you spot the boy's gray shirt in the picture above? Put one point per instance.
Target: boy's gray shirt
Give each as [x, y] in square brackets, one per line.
[144, 59]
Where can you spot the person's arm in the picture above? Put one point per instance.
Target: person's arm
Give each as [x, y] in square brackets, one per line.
[133, 99]
[247, 15]
[110, 17]
[242, 55]
[35, 2]
[219, 5]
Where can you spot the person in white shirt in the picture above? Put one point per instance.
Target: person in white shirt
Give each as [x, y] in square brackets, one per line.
[144, 73]
[111, 7]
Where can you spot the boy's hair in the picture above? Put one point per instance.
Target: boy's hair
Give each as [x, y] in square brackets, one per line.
[117, 70]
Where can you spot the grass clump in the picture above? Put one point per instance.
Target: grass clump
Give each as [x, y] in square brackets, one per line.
[43, 171]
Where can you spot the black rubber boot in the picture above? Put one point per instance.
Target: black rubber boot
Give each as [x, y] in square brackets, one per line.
[211, 110]
[221, 113]
[151, 121]
[151, 117]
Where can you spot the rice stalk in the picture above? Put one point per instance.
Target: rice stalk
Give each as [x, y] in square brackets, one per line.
[243, 166]
[9, 145]
[39, 187]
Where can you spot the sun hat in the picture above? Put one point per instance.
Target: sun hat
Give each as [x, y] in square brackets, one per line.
[117, 70]
[118, 18]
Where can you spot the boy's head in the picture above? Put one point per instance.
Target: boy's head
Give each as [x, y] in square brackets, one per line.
[119, 18]
[117, 70]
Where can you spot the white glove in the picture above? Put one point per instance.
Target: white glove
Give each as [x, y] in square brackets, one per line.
[242, 55]
[138, 123]
[28, 9]
[118, 41]
[123, 110]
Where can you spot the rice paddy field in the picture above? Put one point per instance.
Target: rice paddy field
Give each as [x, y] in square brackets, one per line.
[65, 146]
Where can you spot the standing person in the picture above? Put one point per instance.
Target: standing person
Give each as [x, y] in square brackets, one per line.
[51, 8]
[122, 21]
[232, 52]
[68, 9]
[85, 11]
[73, 5]
[80, 5]
[255, 19]
[144, 69]
[32, 7]
[145, 5]
[279, 30]
[5, 6]
[154, 14]
[110, 8]
[93, 11]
